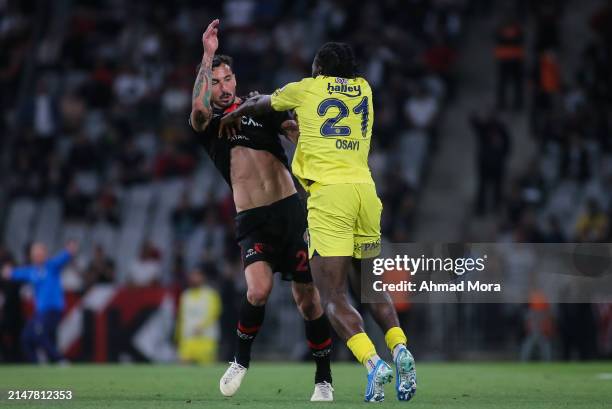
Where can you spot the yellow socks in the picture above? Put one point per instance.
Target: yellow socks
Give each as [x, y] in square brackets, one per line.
[395, 336]
[361, 346]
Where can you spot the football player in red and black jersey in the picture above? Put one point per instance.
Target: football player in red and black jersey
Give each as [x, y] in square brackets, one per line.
[271, 219]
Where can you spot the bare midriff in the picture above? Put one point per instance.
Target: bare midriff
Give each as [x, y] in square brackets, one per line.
[258, 178]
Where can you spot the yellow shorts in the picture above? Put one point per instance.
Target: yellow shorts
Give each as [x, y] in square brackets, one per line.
[344, 220]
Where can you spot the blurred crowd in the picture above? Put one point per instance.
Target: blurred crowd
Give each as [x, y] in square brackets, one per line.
[108, 94]
[96, 95]
[562, 194]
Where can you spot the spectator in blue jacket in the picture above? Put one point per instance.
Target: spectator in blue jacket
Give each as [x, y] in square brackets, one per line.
[44, 274]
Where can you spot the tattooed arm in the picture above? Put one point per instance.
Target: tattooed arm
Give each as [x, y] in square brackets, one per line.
[201, 110]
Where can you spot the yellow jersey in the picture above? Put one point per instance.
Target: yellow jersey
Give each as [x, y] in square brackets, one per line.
[335, 117]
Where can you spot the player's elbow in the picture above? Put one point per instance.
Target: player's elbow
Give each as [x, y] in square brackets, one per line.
[200, 116]
[258, 105]
[265, 103]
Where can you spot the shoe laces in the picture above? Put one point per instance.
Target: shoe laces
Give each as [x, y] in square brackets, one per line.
[378, 385]
[325, 388]
[234, 369]
[406, 361]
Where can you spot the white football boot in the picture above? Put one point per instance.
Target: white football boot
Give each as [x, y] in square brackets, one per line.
[323, 392]
[232, 378]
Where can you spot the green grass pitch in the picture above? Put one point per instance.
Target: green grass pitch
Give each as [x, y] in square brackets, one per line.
[288, 385]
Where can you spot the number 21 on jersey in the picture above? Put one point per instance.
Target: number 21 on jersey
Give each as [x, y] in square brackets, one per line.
[331, 128]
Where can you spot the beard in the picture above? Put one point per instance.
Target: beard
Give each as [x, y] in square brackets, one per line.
[225, 100]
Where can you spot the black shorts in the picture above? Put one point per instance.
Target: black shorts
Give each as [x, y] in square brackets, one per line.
[276, 234]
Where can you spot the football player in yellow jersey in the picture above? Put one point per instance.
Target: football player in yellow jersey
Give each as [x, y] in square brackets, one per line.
[335, 116]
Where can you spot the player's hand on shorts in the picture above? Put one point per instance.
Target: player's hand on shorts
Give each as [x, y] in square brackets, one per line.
[229, 126]
[209, 38]
[291, 130]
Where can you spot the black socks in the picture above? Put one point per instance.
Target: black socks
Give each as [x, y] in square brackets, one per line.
[318, 335]
[250, 319]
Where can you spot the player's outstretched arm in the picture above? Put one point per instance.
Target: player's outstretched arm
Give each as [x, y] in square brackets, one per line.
[201, 110]
[254, 106]
[17, 273]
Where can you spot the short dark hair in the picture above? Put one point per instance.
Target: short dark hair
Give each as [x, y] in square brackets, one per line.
[336, 60]
[219, 59]
[222, 59]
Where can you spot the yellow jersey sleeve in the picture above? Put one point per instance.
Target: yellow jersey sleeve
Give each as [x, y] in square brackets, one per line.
[290, 96]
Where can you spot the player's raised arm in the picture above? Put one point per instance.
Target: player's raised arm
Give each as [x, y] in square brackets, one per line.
[201, 110]
[64, 257]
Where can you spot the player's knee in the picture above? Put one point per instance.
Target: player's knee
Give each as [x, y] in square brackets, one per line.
[258, 295]
[333, 304]
[325, 300]
[330, 308]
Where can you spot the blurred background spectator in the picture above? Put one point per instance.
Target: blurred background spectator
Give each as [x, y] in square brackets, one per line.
[510, 56]
[197, 326]
[101, 269]
[146, 270]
